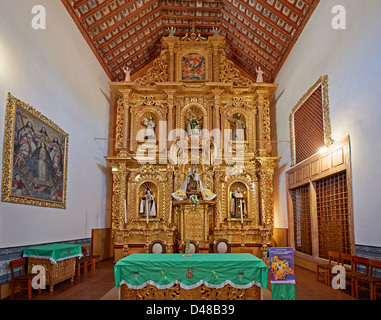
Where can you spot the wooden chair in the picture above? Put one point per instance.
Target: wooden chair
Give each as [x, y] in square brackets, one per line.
[157, 246]
[333, 259]
[355, 273]
[222, 246]
[83, 263]
[346, 260]
[193, 245]
[24, 279]
[367, 282]
[86, 250]
[376, 286]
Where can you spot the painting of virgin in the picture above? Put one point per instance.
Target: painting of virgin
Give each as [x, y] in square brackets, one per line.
[193, 67]
[34, 158]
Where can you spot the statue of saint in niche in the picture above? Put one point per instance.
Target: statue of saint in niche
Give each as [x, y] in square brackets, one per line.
[194, 124]
[148, 205]
[239, 126]
[193, 186]
[150, 125]
[237, 204]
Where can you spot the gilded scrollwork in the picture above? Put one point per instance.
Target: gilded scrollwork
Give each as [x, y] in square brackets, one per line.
[158, 73]
[228, 73]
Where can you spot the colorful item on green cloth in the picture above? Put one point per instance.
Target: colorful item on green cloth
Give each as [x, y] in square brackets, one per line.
[215, 270]
[54, 252]
[282, 273]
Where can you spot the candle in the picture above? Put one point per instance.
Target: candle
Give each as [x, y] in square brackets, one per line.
[219, 203]
[125, 211]
[241, 216]
[170, 212]
[187, 245]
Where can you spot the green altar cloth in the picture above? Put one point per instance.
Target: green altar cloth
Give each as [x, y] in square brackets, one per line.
[54, 252]
[215, 270]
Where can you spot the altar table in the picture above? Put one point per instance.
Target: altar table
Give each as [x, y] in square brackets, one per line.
[58, 261]
[214, 276]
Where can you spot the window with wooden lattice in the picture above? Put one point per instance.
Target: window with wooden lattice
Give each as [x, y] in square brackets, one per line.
[309, 123]
[332, 214]
[302, 219]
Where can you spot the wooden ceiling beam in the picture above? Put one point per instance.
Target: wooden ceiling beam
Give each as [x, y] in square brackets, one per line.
[161, 17]
[251, 50]
[123, 21]
[79, 3]
[111, 15]
[279, 14]
[101, 6]
[139, 43]
[257, 51]
[268, 21]
[241, 24]
[290, 6]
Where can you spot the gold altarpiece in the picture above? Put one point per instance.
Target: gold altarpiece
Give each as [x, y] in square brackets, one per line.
[214, 91]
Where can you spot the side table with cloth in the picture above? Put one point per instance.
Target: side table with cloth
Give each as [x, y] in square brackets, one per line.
[58, 260]
[214, 276]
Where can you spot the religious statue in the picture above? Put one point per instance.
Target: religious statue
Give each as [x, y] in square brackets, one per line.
[150, 128]
[172, 32]
[259, 74]
[193, 186]
[239, 127]
[216, 32]
[194, 127]
[127, 72]
[237, 204]
[147, 204]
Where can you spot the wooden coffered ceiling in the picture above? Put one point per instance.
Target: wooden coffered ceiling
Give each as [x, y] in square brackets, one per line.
[128, 32]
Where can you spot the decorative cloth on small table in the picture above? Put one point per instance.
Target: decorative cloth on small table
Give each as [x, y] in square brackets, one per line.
[54, 252]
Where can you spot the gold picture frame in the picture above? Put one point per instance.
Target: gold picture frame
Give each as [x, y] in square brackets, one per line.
[34, 160]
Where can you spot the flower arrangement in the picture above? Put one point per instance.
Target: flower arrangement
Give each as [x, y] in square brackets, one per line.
[194, 200]
[181, 193]
[206, 193]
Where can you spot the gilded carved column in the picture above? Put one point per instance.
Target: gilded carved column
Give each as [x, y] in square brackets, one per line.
[264, 124]
[266, 172]
[171, 104]
[171, 42]
[119, 174]
[216, 109]
[123, 116]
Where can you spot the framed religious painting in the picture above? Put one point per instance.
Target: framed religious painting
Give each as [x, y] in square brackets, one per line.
[193, 67]
[34, 158]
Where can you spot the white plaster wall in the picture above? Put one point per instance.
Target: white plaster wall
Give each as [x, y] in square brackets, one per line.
[351, 59]
[55, 71]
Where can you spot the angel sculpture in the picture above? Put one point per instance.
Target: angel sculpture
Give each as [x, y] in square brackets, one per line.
[172, 32]
[127, 72]
[259, 74]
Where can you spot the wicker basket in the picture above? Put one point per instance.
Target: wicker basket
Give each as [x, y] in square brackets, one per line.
[54, 273]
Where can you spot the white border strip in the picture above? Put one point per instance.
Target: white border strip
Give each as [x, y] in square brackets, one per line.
[51, 259]
[183, 286]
